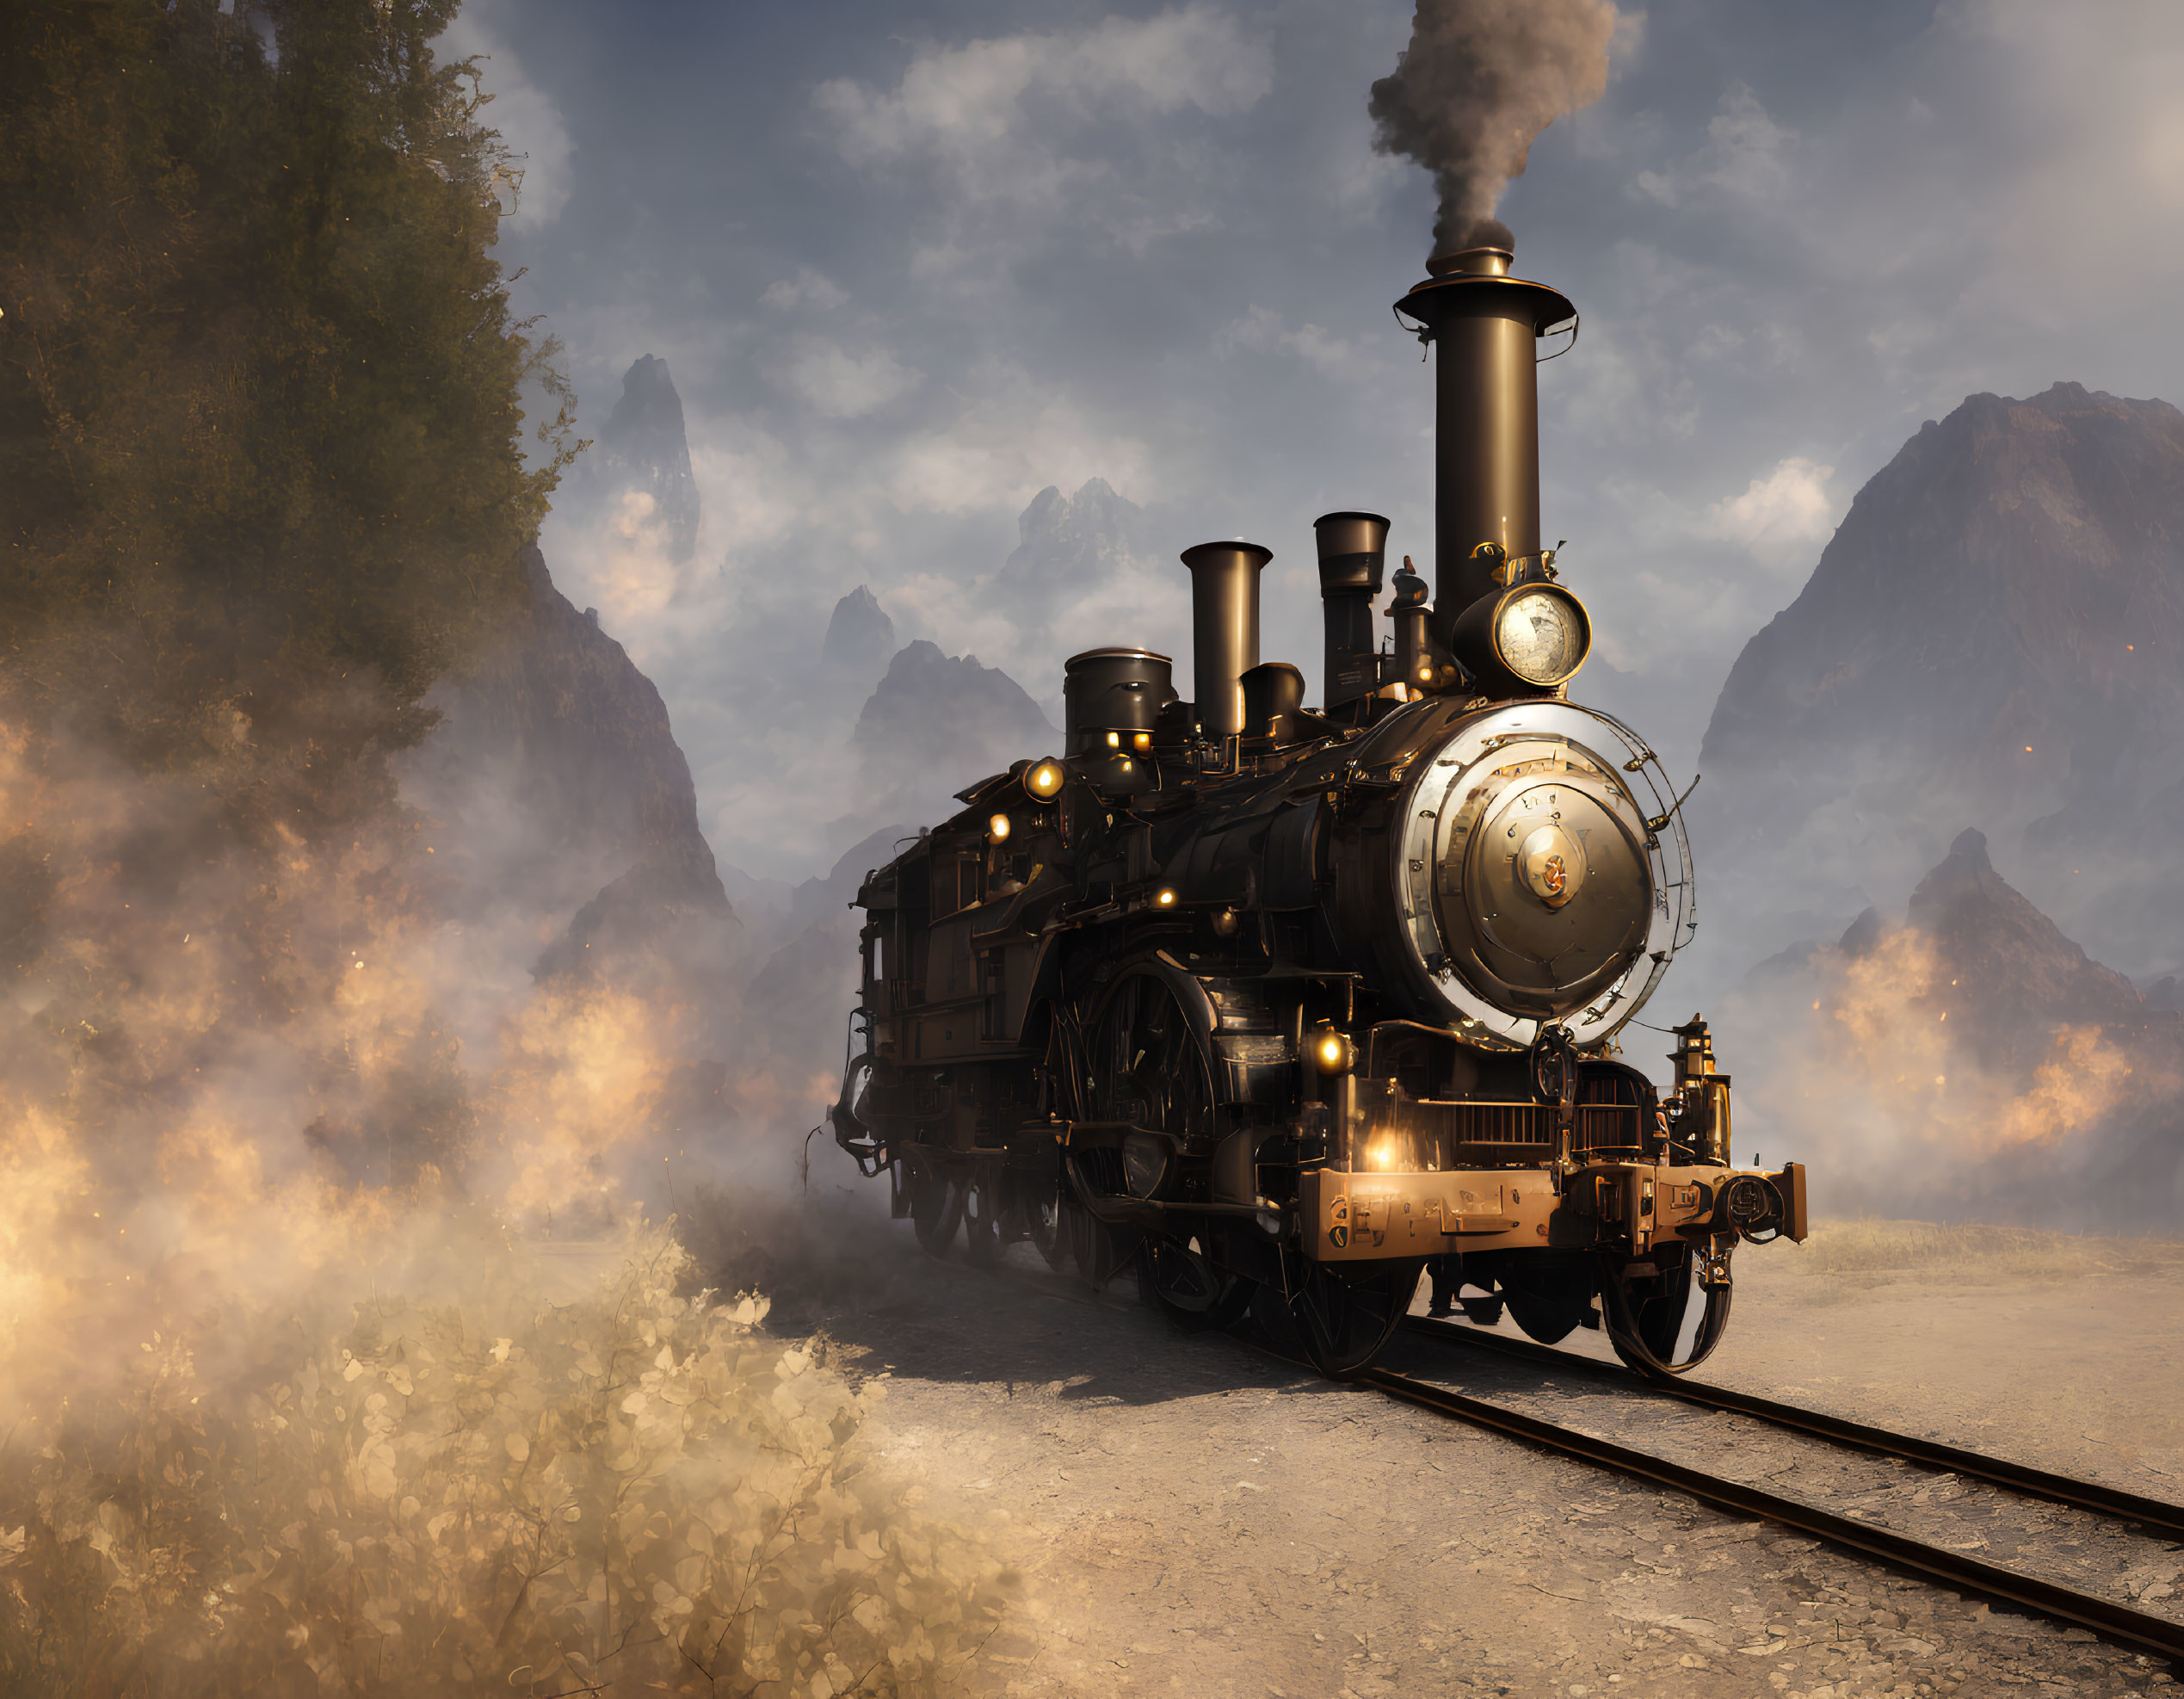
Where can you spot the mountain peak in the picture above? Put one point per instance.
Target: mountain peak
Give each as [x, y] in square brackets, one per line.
[860, 638]
[1994, 633]
[645, 446]
[1070, 542]
[2024, 976]
[937, 721]
[2000, 577]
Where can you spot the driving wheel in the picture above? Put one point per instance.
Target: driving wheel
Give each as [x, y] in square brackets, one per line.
[936, 1209]
[1150, 1069]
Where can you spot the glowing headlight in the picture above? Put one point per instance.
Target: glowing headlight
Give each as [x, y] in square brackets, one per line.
[997, 828]
[1541, 634]
[1333, 1053]
[1164, 898]
[1044, 779]
[1141, 740]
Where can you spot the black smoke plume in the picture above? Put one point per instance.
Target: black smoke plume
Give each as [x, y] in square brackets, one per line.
[1479, 82]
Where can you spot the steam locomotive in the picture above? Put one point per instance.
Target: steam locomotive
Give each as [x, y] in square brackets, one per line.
[1278, 1006]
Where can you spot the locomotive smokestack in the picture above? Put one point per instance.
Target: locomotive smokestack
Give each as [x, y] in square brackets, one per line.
[1353, 548]
[1483, 325]
[1224, 629]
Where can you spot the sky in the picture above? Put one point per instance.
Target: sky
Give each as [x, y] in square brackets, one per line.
[911, 265]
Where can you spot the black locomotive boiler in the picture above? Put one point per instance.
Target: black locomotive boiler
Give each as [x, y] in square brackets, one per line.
[1282, 1006]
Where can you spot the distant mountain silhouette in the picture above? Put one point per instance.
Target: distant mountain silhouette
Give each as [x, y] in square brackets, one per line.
[643, 445]
[802, 993]
[1995, 633]
[860, 638]
[1068, 545]
[937, 722]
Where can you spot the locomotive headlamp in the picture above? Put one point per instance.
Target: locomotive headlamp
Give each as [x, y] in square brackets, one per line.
[1530, 638]
[1163, 899]
[997, 828]
[1141, 740]
[1332, 1052]
[1541, 634]
[1044, 779]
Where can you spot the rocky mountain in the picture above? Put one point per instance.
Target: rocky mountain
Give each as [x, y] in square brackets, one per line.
[860, 638]
[644, 447]
[1067, 546]
[558, 788]
[1995, 633]
[936, 723]
[2016, 977]
[1967, 1059]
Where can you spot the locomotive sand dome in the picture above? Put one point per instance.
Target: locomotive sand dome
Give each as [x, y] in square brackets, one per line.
[1282, 1006]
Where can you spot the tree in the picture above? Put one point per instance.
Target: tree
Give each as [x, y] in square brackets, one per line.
[262, 468]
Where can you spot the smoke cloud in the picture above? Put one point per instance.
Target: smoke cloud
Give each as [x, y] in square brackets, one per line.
[338, 1346]
[1479, 82]
[1880, 1062]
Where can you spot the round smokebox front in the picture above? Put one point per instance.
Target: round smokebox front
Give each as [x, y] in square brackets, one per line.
[1543, 891]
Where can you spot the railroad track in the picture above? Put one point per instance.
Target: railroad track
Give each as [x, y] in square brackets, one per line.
[2140, 1630]
[2119, 1624]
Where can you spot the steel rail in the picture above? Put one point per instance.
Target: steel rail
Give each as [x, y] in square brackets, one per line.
[2152, 1514]
[2118, 1623]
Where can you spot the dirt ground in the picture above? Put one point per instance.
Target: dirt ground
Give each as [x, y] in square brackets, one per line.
[1193, 1516]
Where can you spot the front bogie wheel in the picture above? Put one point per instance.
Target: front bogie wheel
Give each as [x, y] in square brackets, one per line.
[1175, 1275]
[1338, 1316]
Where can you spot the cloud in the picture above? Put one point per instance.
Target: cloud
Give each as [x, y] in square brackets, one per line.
[1263, 331]
[806, 288]
[976, 105]
[1782, 516]
[839, 383]
[1036, 125]
[1012, 437]
[1746, 159]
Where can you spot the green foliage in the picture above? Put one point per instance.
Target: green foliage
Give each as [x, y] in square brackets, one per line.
[260, 419]
[633, 1493]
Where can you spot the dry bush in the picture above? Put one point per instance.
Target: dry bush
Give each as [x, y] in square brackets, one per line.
[641, 1492]
[1977, 1252]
